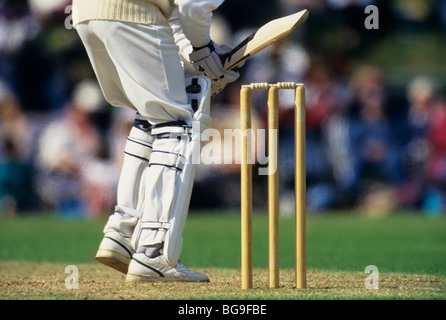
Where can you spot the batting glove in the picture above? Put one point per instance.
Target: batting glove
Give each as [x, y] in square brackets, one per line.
[207, 61]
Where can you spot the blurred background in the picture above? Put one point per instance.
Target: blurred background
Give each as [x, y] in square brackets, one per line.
[376, 110]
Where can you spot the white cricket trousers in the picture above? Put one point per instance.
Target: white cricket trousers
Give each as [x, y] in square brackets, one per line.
[138, 66]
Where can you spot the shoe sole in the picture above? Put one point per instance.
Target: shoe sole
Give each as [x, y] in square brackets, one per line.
[133, 278]
[113, 260]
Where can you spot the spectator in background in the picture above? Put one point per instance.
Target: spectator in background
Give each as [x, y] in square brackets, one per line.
[376, 151]
[332, 112]
[435, 201]
[17, 27]
[16, 181]
[425, 150]
[321, 99]
[16, 174]
[59, 50]
[14, 124]
[48, 7]
[70, 146]
[421, 100]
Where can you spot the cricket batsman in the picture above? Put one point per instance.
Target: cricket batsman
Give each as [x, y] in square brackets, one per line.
[138, 50]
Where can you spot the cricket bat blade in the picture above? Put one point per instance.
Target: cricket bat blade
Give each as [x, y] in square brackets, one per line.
[266, 35]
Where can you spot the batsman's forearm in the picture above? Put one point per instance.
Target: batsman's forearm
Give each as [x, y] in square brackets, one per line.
[183, 43]
[195, 17]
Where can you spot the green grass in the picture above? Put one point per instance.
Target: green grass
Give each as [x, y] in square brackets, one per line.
[409, 251]
[49, 239]
[344, 242]
[400, 243]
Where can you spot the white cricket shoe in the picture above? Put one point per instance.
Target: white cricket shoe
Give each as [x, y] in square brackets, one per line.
[145, 269]
[115, 251]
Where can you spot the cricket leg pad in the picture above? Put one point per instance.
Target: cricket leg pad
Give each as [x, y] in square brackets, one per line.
[130, 193]
[169, 181]
[171, 174]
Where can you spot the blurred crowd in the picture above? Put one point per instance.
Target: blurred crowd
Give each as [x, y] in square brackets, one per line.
[367, 145]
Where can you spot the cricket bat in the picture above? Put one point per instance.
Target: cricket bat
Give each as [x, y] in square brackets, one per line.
[263, 37]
